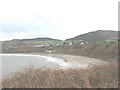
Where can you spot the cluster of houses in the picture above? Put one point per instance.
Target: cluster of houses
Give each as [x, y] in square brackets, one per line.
[40, 45]
[60, 44]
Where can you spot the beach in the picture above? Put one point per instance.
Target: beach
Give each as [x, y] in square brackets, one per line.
[71, 70]
[77, 59]
[16, 62]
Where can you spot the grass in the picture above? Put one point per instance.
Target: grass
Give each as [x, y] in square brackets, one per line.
[101, 50]
[105, 50]
[48, 42]
[104, 76]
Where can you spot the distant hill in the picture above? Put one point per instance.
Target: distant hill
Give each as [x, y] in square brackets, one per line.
[37, 39]
[24, 43]
[99, 35]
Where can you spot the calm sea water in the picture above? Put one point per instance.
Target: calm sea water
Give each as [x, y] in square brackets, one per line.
[11, 63]
[14, 62]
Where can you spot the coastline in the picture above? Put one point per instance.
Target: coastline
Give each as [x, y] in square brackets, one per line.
[65, 76]
[70, 59]
[77, 59]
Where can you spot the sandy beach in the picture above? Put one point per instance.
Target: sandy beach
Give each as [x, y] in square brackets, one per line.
[77, 59]
[15, 62]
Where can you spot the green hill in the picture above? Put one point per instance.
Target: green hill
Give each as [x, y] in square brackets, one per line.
[99, 35]
[37, 39]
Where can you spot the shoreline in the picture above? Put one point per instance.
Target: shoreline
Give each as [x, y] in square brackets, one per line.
[77, 59]
[67, 58]
[65, 61]
[51, 58]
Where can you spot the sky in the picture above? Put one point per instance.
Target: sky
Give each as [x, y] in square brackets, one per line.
[59, 19]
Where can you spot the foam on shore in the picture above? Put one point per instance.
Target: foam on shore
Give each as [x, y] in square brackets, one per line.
[59, 61]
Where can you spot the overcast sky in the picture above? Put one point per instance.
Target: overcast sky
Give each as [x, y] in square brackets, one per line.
[58, 19]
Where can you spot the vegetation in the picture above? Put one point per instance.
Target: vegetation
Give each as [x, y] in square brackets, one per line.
[101, 50]
[98, 35]
[104, 76]
[105, 50]
[100, 44]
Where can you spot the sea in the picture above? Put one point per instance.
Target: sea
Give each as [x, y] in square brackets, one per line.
[11, 63]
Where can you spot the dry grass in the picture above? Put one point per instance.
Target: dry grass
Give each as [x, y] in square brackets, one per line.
[105, 76]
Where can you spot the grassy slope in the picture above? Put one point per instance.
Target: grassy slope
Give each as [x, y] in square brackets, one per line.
[98, 35]
[102, 50]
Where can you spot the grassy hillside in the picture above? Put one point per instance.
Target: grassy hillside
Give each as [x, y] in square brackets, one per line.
[102, 50]
[106, 50]
[99, 44]
[40, 39]
[104, 76]
[99, 35]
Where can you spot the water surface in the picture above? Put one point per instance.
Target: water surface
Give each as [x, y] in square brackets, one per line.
[15, 62]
